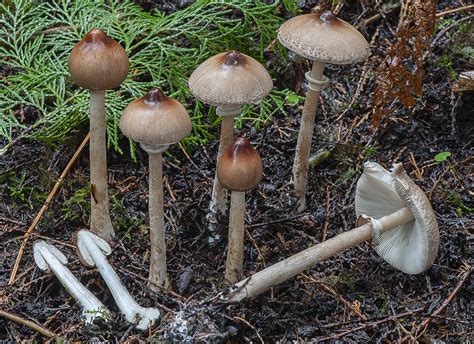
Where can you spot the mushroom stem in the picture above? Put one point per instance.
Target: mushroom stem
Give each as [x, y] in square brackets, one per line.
[235, 246]
[219, 193]
[100, 217]
[303, 147]
[290, 267]
[158, 274]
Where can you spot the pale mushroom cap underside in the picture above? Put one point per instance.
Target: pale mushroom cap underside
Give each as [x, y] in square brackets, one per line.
[155, 120]
[412, 247]
[230, 78]
[324, 37]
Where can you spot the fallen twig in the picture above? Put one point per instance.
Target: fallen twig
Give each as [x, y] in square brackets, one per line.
[375, 323]
[34, 326]
[454, 10]
[424, 325]
[44, 207]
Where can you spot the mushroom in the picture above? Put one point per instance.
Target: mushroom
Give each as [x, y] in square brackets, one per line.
[157, 122]
[323, 38]
[98, 63]
[92, 250]
[49, 258]
[397, 215]
[239, 169]
[228, 80]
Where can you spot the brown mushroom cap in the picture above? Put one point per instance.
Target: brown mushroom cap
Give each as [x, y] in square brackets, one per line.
[240, 166]
[324, 37]
[155, 120]
[98, 62]
[230, 78]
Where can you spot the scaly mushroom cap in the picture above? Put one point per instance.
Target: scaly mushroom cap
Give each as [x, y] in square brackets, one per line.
[240, 166]
[98, 62]
[230, 78]
[155, 120]
[413, 247]
[324, 37]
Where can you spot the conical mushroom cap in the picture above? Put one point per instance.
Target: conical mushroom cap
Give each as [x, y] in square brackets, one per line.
[324, 37]
[413, 247]
[98, 62]
[155, 120]
[230, 78]
[240, 166]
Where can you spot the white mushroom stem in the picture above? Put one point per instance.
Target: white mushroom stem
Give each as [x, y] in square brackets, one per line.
[219, 193]
[158, 274]
[100, 217]
[90, 248]
[303, 146]
[48, 257]
[292, 266]
[235, 246]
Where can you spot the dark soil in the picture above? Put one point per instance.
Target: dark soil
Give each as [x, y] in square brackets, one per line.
[353, 297]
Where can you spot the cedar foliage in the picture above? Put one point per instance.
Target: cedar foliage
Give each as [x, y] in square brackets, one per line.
[400, 75]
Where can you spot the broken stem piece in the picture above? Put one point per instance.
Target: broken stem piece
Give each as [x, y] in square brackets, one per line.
[49, 258]
[92, 249]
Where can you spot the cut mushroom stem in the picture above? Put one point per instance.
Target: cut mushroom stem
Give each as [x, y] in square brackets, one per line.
[158, 272]
[239, 169]
[303, 146]
[292, 266]
[92, 250]
[218, 204]
[100, 217]
[49, 258]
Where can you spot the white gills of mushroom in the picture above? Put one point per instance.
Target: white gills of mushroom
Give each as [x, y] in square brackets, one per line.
[413, 246]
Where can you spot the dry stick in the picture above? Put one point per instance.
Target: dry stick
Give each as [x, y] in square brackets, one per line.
[424, 325]
[44, 207]
[29, 323]
[158, 273]
[251, 326]
[454, 10]
[100, 216]
[290, 267]
[375, 323]
[303, 146]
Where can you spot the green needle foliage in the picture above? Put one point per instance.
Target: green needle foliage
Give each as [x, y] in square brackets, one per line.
[36, 38]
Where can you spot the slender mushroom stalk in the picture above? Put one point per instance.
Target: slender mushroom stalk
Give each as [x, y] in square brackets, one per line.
[92, 250]
[228, 80]
[323, 38]
[406, 236]
[49, 258]
[239, 169]
[98, 63]
[219, 194]
[156, 121]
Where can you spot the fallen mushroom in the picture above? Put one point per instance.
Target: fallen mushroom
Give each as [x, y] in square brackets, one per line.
[92, 250]
[229, 81]
[157, 122]
[400, 221]
[239, 169]
[323, 38]
[49, 258]
[98, 63]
